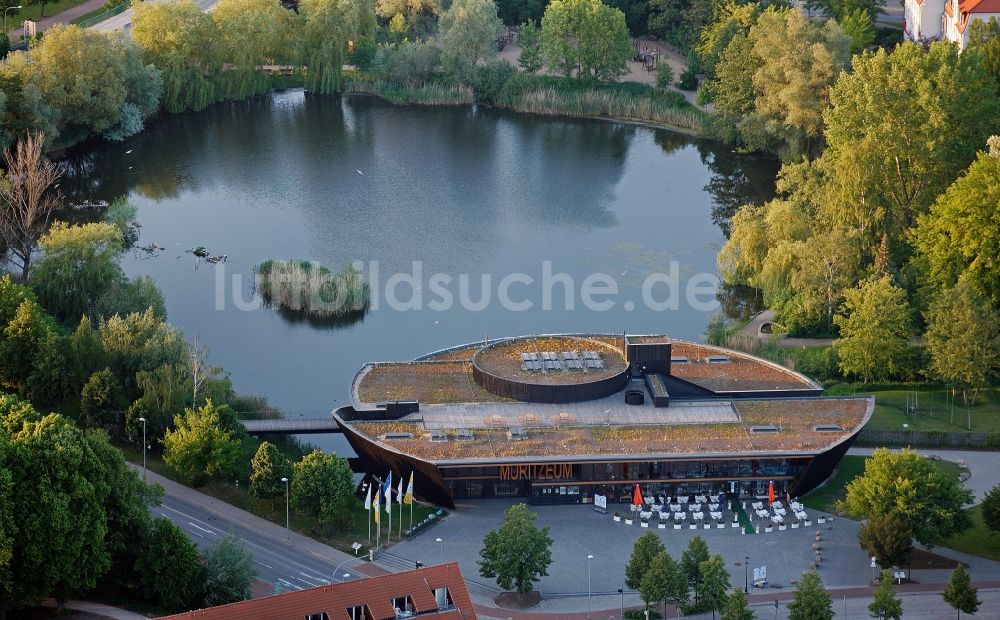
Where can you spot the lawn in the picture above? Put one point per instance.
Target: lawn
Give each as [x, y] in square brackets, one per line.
[935, 409]
[850, 467]
[34, 11]
[979, 540]
[353, 528]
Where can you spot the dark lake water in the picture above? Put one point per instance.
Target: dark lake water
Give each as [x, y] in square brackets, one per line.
[470, 191]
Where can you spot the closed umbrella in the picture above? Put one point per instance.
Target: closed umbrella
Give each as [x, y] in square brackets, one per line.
[770, 493]
[637, 498]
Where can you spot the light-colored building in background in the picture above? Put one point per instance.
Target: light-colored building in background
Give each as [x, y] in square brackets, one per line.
[930, 20]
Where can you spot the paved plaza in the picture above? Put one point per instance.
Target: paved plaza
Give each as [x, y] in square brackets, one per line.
[578, 531]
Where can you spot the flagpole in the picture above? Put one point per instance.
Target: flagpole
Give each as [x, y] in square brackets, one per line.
[368, 507]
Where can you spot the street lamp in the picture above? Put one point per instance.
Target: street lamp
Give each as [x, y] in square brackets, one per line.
[441, 545]
[143, 420]
[285, 480]
[5, 15]
[621, 593]
[746, 575]
[589, 558]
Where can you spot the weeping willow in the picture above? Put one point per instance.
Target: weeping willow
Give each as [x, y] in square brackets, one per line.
[329, 27]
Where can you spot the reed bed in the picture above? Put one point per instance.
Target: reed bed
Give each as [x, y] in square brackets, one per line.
[646, 107]
[430, 93]
[308, 289]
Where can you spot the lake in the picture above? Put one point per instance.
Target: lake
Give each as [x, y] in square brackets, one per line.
[431, 201]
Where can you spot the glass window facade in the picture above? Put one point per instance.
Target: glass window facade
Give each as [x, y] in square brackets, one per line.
[575, 483]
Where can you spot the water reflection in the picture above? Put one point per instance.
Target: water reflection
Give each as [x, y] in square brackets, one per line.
[471, 191]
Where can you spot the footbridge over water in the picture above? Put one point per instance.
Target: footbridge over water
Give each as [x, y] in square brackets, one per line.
[290, 427]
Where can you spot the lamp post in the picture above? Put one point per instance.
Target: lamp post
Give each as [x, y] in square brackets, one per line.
[5, 15]
[285, 480]
[441, 546]
[621, 593]
[589, 558]
[143, 420]
[746, 575]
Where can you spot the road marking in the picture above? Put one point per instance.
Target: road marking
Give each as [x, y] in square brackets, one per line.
[201, 528]
[289, 583]
[313, 581]
[265, 565]
[187, 516]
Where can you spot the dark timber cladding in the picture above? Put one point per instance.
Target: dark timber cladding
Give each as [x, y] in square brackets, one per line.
[648, 354]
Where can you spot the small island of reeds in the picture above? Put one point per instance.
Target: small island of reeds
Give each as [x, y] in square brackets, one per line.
[305, 290]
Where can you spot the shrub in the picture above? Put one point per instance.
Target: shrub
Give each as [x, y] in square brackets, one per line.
[411, 63]
[490, 79]
[664, 75]
[303, 287]
[688, 79]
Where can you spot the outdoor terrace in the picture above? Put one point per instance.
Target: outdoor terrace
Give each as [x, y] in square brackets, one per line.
[795, 420]
[740, 373]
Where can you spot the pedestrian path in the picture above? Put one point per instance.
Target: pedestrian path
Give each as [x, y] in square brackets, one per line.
[63, 17]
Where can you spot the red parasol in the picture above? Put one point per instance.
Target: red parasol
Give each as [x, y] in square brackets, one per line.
[637, 497]
[770, 493]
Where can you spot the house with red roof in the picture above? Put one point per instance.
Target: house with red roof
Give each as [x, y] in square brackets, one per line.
[432, 593]
[929, 20]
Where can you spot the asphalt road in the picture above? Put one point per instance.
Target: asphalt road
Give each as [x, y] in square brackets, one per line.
[123, 21]
[276, 561]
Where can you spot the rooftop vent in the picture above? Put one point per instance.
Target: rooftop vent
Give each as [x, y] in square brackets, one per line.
[718, 359]
[438, 436]
[764, 428]
[828, 428]
[680, 359]
[463, 434]
[517, 433]
[391, 436]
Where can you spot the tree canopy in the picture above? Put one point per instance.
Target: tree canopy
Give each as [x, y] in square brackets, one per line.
[320, 483]
[811, 601]
[585, 39]
[644, 549]
[874, 329]
[959, 592]
[469, 29]
[886, 605]
[517, 554]
[198, 447]
[888, 538]
[908, 485]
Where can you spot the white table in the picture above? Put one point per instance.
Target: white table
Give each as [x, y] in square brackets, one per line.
[757, 505]
[645, 515]
[778, 519]
[675, 507]
[683, 500]
[698, 516]
[763, 514]
[802, 515]
[714, 506]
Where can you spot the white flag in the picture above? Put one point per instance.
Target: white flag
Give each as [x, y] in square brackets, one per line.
[399, 492]
[388, 493]
[368, 498]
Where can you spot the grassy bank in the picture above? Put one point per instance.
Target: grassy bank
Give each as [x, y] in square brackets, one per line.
[543, 95]
[979, 540]
[432, 93]
[850, 467]
[353, 527]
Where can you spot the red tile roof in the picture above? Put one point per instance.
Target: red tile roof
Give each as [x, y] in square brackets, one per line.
[979, 6]
[374, 592]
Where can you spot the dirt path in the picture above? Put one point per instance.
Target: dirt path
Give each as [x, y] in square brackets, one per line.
[767, 316]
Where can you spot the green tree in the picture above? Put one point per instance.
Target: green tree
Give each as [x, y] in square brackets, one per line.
[170, 572]
[229, 572]
[250, 33]
[963, 339]
[267, 467]
[140, 342]
[182, 41]
[50, 381]
[469, 30]
[22, 338]
[664, 75]
[883, 154]
[644, 549]
[197, 448]
[57, 502]
[874, 330]
[585, 39]
[991, 509]
[737, 608]
[78, 267]
[165, 391]
[959, 238]
[663, 581]
[129, 296]
[530, 39]
[907, 484]
[517, 554]
[959, 592]
[320, 484]
[984, 36]
[714, 583]
[857, 24]
[811, 601]
[99, 395]
[886, 606]
[329, 25]
[691, 559]
[888, 538]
